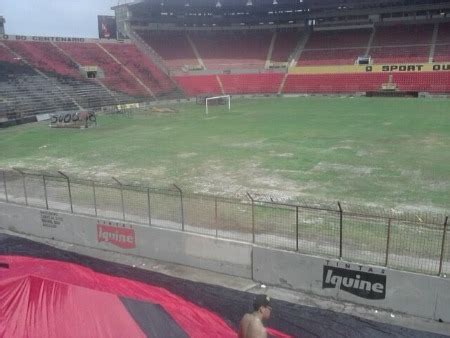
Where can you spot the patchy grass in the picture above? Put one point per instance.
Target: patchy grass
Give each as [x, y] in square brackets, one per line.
[373, 151]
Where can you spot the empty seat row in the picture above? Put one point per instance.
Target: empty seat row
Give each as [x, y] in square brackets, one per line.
[312, 83]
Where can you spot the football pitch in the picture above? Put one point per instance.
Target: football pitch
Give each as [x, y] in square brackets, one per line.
[391, 153]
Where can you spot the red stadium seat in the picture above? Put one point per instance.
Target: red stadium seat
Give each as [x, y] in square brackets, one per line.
[177, 53]
[195, 85]
[285, 44]
[233, 49]
[141, 66]
[251, 83]
[45, 56]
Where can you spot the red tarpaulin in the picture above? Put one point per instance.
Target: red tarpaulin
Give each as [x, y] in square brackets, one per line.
[43, 298]
[46, 298]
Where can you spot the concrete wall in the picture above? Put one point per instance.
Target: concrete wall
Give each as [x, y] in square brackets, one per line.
[228, 257]
[415, 294]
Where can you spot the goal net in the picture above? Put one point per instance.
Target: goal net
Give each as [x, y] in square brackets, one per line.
[217, 100]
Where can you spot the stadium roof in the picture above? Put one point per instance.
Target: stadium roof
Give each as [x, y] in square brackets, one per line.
[331, 4]
[254, 12]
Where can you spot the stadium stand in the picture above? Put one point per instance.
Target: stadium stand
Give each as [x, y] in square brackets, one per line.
[339, 39]
[443, 33]
[428, 81]
[172, 62]
[44, 56]
[233, 49]
[251, 83]
[232, 84]
[362, 82]
[330, 57]
[115, 76]
[177, 54]
[6, 55]
[402, 43]
[195, 85]
[39, 77]
[395, 35]
[141, 67]
[334, 83]
[442, 53]
[404, 54]
[442, 50]
[285, 43]
[28, 93]
[335, 47]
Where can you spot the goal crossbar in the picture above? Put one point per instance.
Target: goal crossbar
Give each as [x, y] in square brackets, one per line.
[228, 97]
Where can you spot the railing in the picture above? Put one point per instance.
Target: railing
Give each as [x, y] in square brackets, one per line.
[408, 241]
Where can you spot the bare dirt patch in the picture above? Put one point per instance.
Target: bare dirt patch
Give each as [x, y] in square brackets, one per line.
[219, 180]
[432, 141]
[186, 155]
[253, 144]
[361, 170]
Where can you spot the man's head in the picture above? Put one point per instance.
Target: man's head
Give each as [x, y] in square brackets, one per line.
[262, 305]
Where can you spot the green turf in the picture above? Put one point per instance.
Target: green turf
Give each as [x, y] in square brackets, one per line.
[386, 152]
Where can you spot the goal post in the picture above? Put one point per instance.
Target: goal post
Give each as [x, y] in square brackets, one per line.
[219, 99]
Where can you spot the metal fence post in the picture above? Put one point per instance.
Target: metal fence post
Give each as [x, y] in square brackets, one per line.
[253, 218]
[68, 186]
[216, 221]
[296, 228]
[4, 184]
[340, 228]
[443, 245]
[149, 209]
[181, 204]
[45, 191]
[24, 185]
[121, 197]
[388, 240]
[95, 198]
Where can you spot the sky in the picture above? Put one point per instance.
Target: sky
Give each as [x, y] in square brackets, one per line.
[67, 18]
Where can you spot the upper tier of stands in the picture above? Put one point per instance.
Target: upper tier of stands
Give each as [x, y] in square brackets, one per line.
[339, 39]
[335, 47]
[397, 43]
[442, 51]
[285, 43]
[390, 44]
[233, 49]
[173, 47]
[250, 49]
[321, 57]
[218, 50]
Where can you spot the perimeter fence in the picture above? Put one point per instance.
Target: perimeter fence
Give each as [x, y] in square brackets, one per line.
[403, 240]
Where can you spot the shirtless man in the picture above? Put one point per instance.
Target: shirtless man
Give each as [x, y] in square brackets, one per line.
[251, 324]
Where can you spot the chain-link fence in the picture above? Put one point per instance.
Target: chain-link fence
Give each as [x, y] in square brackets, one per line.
[409, 241]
